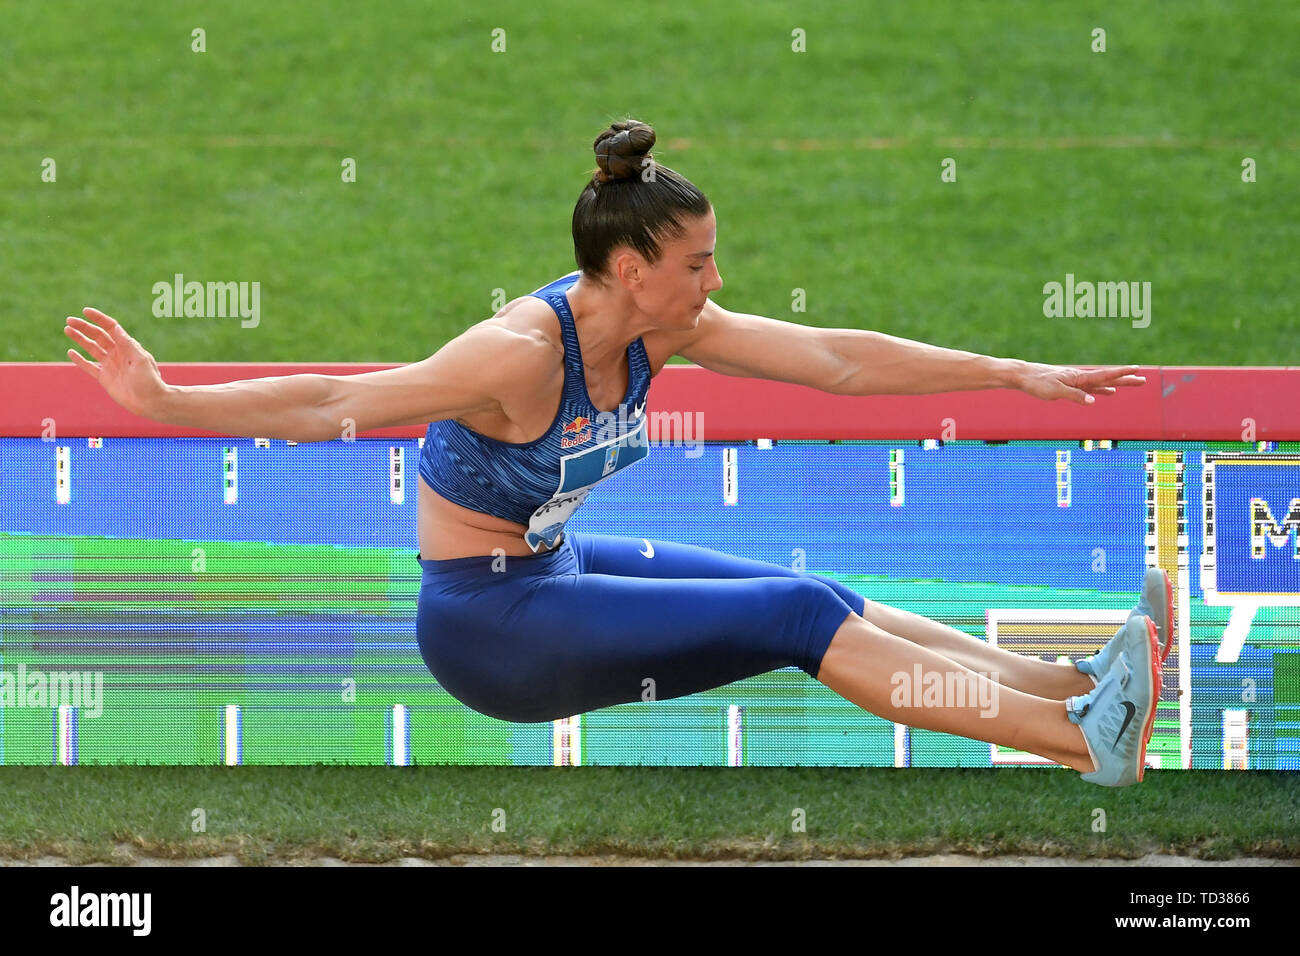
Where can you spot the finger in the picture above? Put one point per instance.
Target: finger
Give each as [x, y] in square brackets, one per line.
[114, 328]
[89, 344]
[1122, 376]
[1076, 395]
[91, 330]
[91, 369]
[1128, 381]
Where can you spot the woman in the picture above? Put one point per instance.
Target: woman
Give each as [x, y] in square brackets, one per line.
[531, 408]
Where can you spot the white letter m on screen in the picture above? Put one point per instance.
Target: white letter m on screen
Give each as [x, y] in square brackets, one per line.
[1263, 528]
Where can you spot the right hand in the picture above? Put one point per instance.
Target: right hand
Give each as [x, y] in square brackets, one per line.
[126, 371]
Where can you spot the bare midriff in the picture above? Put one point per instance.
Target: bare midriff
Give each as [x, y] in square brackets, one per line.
[448, 530]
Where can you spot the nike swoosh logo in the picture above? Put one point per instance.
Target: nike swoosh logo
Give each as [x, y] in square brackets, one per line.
[649, 551]
[636, 412]
[1128, 706]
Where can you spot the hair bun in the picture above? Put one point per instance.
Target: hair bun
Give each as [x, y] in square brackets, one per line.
[622, 150]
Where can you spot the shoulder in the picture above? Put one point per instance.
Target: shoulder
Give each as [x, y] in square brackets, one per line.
[514, 351]
[531, 325]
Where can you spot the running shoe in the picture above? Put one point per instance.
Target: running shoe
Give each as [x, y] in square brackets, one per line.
[1156, 603]
[1117, 716]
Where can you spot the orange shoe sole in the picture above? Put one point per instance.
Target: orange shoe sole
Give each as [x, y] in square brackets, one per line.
[1157, 686]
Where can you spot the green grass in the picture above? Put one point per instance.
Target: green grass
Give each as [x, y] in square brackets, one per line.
[823, 166]
[381, 814]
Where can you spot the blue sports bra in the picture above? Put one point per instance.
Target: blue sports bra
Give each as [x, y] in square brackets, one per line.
[541, 483]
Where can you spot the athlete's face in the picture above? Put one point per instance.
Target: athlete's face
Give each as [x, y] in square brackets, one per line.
[674, 289]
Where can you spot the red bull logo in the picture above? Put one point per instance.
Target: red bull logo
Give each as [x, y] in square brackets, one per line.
[579, 429]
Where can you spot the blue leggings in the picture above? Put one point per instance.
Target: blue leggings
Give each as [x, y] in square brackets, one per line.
[605, 620]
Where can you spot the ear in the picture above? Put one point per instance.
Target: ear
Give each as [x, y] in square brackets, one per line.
[629, 269]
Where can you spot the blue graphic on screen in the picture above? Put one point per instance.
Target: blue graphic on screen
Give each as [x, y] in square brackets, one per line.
[1257, 527]
[210, 577]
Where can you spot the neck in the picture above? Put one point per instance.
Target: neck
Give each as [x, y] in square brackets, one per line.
[606, 322]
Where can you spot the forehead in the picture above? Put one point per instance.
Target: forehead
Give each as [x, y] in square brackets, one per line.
[697, 233]
[703, 224]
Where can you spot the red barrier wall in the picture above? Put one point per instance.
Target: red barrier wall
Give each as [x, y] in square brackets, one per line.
[1176, 403]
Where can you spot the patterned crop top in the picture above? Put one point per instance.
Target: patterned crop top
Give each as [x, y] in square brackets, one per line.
[543, 482]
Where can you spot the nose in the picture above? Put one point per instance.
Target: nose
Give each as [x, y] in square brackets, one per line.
[715, 280]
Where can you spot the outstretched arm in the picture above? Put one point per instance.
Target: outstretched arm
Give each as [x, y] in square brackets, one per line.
[469, 374]
[860, 362]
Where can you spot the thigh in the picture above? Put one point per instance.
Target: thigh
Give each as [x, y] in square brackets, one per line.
[579, 642]
[646, 558]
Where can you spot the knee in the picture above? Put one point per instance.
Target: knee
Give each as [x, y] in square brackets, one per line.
[845, 593]
[801, 589]
[814, 612]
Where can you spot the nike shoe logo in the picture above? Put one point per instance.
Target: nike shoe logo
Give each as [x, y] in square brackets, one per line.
[1128, 718]
[649, 551]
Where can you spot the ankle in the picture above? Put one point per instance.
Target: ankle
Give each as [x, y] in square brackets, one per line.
[1081, 758]
[1074, 682]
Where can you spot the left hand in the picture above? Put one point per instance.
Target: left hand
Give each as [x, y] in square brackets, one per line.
[1050, 382]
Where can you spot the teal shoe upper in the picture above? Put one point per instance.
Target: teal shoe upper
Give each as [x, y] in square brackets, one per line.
[1151, 604]
[1114, 714]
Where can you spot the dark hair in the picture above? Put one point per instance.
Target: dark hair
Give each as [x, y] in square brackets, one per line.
[631, 200]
